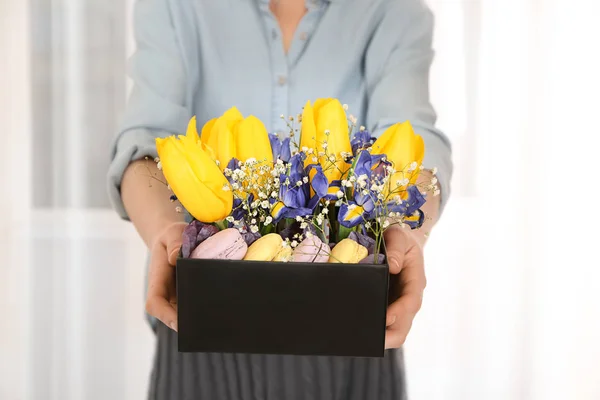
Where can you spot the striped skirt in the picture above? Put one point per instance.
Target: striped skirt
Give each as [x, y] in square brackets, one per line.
[213, 376]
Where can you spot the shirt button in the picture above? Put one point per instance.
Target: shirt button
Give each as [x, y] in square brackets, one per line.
[303, 36]
[274, 34]
[282, 80]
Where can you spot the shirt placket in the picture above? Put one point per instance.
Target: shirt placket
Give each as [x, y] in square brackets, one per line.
[280, 63]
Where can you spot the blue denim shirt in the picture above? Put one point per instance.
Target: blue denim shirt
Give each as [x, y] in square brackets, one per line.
[201, 57]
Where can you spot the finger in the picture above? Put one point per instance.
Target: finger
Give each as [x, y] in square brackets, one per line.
[173, 247]
[403, 310]
[413, 282]
[160, 281]
[396, 247]
[390, 320]
[395, 336]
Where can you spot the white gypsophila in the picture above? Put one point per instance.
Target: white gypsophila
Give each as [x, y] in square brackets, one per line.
[353, 178]
[315, 159]
[226, 187]
[321, 154]
[332, 158]
[309, 235]
[434, 170]
[305, 149]
[274, 194]
[254, 229]
[352, 119]
[434, 180]
[339, 203]
[310, 151]
[299, 219]
[367, 225]
[305, 179]
[380, 196]
[262, 195]
[327, 132]
[345, 107]
[279, 161]
[294, 243]
[268, 220]
[325, 211]
[413, 165]
[159, 165]
[229, 219]
[385, 224]
[339, 194]
[303, 225]
[436, 192]
[299, 183]
[320, 219]
[324, 145]
[351, 207]
[362, 128]
[253, 221]
[264, 204]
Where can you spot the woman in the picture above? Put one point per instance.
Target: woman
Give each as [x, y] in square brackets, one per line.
[200, 57]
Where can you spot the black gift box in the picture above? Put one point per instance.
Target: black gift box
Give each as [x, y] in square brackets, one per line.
[228, 306]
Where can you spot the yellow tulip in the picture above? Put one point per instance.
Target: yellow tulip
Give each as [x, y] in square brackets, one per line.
[233, 136]
[252, 141]
[402, 147]
[326, 122]
[194, 177]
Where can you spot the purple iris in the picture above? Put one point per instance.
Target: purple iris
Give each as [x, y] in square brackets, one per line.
[281, 148]
[361, 140]
[361, 207]
[295, 197]
[365, 206]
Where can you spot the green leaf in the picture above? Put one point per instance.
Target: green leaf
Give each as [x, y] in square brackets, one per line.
[343, 233]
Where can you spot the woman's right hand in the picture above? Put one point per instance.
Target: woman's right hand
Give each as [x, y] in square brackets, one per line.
[161, 299]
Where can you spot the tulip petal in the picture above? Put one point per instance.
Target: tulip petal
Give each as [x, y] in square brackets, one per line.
[308, 135]
[194, 178]
[208, 136]
[226, 148]
[252, 140]
[192, 130]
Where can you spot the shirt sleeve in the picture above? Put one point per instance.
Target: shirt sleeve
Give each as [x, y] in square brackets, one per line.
[157, 104]
[397, 67]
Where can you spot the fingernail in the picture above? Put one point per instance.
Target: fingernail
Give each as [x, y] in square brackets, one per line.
[173, 326]
[391, 320]
[394, 263]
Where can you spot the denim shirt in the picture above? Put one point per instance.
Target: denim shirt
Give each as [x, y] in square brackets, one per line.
[201, 57]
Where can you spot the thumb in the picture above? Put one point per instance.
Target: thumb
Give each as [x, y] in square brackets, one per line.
[173, 247]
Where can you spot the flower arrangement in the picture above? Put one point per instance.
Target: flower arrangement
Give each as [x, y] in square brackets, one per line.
[326, 192]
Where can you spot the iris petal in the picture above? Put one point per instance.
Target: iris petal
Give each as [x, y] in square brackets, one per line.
[349, 216]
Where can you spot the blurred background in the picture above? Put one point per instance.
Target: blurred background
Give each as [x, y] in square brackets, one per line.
[512, 309]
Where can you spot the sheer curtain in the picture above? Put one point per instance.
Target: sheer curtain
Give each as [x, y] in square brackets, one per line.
[511, 309]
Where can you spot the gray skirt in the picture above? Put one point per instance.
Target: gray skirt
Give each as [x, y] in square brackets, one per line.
[213, 376]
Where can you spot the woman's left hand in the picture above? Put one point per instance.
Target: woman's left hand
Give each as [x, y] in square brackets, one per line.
[405, 258]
